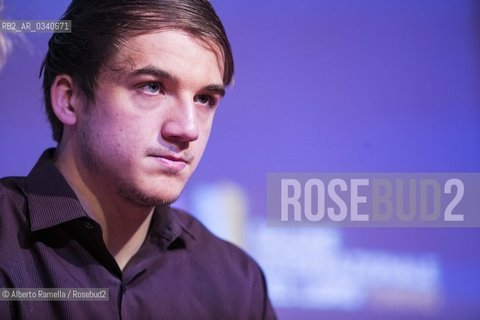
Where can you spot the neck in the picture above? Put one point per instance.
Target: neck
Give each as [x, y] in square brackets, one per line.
[124, 224]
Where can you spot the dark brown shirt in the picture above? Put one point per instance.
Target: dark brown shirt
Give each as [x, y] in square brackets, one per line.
[182, 271]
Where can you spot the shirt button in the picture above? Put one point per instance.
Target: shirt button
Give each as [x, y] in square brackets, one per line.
[88, 225]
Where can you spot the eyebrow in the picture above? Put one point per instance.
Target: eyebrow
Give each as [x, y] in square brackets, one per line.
[152, 71]
[162, 74]
[215, 89]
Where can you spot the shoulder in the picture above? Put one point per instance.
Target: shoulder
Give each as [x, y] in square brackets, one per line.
[216, 250]
[11, 184]
[11, 193]
[204, 237]
[13, 217]
[237, 277]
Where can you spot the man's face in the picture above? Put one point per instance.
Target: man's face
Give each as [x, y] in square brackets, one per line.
[146, 131]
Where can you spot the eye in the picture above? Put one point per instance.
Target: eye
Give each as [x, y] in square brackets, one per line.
[152, 88]
[206, 99]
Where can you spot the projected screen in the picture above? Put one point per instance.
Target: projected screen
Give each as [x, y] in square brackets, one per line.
[320, 86]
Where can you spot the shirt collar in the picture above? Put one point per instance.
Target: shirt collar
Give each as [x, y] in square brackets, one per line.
[51, 201]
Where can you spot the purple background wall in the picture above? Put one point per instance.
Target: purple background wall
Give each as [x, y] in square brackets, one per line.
[321, 85]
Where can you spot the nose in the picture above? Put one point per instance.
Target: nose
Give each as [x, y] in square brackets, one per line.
[181, 124]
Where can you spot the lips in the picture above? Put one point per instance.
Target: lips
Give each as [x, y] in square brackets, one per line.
[171, 162]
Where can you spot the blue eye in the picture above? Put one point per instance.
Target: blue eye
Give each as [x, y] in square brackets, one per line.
[152, 88]
[206, 99]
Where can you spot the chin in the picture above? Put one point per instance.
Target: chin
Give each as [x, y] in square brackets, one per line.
[160, 196]
[165, 198]
[149, 200]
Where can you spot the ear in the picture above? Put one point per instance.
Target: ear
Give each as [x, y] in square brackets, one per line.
[65, 99]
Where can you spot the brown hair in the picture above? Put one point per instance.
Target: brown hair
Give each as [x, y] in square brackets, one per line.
[98, 28]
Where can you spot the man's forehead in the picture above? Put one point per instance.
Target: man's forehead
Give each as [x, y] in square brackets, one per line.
[133, 52]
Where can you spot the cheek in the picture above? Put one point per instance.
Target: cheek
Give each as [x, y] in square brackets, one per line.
[119, 137]
[206, 122]
[200, 145]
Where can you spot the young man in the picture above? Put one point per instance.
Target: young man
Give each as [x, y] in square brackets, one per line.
[130, 94]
